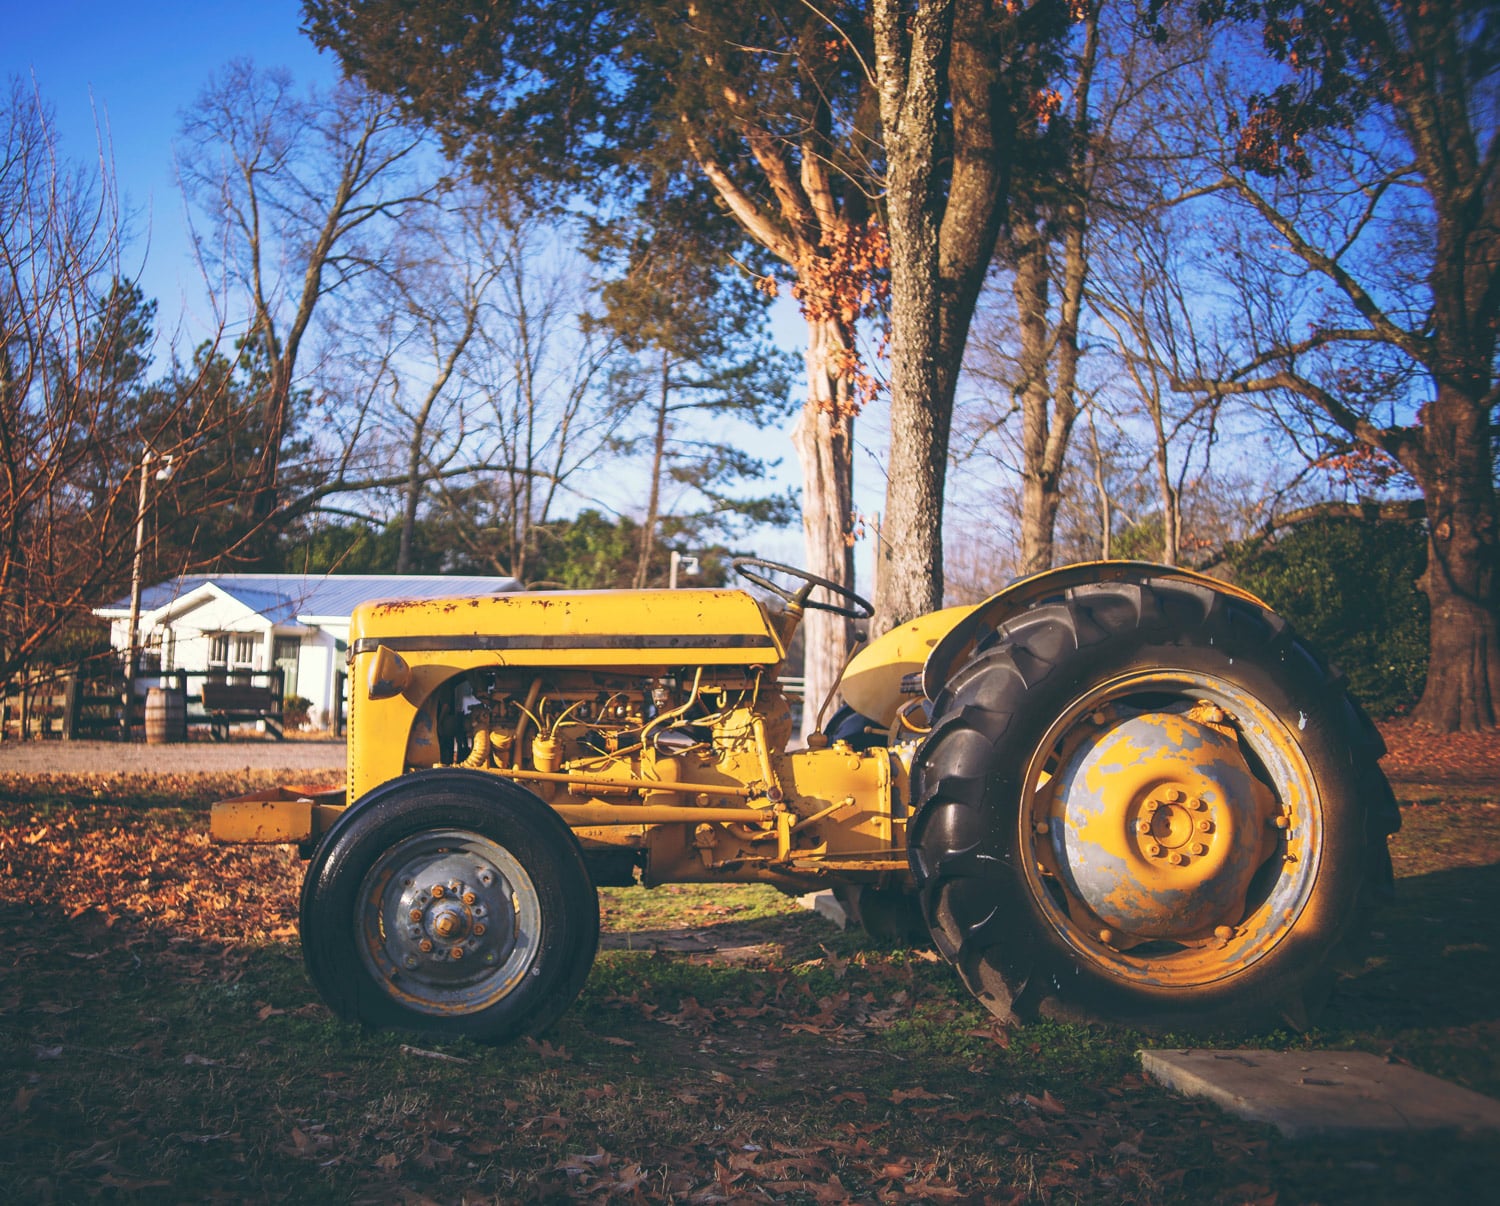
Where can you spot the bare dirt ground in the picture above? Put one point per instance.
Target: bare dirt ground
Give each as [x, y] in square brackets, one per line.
[118, 757]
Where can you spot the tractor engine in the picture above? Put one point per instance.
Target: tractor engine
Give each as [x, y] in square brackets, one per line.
[664, 770]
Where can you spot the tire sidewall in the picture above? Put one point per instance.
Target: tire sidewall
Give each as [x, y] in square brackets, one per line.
[467, 801]
[1244, 647]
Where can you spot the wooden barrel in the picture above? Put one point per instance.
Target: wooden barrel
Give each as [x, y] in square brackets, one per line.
[166, 716]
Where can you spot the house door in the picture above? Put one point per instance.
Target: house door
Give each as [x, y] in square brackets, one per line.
[284, 652]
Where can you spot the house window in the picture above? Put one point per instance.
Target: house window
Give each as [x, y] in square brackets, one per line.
[244, 651]
[232, 652]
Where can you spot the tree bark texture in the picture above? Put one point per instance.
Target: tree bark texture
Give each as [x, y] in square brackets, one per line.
[824, 441]
[1463, 671]
[1048, 404]
[911, 78]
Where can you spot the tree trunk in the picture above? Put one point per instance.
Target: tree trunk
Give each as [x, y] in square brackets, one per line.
[1039, 497]
[1463, 669]
[409, 507]
[909, 570]
[266, 473]
[1101, 493]
[653, 501]
[824, 440]
[1165, 494]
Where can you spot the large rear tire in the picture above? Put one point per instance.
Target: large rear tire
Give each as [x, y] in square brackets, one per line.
[1148, 802]
[450, 902]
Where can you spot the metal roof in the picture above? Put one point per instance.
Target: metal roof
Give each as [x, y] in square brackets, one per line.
[283, 598]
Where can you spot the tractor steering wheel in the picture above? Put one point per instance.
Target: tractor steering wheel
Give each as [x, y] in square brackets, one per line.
[858, 609]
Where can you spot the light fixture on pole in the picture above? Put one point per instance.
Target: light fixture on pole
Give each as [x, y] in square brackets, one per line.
[162, 474]
[679, 563]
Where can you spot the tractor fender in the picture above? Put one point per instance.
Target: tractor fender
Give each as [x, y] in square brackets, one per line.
[962, 638]
[872, 682]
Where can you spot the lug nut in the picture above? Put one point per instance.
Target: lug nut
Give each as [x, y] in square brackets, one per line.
[1197, 805]
[1176, 859]
[478, 931]
[1042, 826]
[437, 891]
[426, 944]
[1199, 848]
[1172, 795]
[469, 898]
[416, 914]
[458, 952]
[1205, 826]
[1154, 850]
[1143, 826]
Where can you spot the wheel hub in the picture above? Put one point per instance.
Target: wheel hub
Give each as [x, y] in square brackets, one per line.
[1164, 827]
[453, 921]
[449, 922]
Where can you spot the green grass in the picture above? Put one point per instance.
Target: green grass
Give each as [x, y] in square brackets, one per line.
[146, 1058]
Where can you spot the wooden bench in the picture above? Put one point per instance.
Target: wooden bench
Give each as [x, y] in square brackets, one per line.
[226, 703]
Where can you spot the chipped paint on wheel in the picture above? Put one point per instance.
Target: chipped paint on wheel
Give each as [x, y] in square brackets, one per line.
[1162, 827]
[1174, 845]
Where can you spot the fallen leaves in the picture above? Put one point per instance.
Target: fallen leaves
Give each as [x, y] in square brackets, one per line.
[106, 864]
[1418, 754]
[838, 1079]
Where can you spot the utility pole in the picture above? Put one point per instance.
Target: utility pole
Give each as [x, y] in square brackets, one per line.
[132, 636]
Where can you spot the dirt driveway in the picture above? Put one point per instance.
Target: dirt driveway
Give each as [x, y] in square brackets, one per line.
[245, 753]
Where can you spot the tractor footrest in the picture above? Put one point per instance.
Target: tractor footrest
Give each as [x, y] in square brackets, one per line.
[277, 814]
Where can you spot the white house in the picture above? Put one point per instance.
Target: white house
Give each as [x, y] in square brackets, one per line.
[244, 623]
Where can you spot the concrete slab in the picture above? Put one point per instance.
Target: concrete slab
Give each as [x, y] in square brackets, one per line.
[1305, 1093]
[826, 904]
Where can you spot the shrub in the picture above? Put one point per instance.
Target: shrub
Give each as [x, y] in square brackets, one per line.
[1349, 587]
[295, 710]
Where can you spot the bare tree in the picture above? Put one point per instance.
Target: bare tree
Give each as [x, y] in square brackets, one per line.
[1140, 300]
[409, 389]
[82, 432]
[1366, 147]
[299, 196]
[536, 373]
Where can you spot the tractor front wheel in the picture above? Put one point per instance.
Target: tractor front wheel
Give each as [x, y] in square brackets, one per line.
[1149, 803]
[450, 902]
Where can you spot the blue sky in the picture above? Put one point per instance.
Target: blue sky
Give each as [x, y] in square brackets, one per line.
[128, 70]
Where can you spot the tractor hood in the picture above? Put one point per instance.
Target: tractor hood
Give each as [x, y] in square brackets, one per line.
[616, 628]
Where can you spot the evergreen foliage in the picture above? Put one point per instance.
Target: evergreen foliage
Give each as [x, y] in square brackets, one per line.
[1349, 586]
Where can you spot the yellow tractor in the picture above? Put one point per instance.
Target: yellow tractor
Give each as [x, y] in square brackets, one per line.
[1116, 791]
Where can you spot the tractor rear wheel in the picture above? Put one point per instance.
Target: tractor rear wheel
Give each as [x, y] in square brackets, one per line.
[1148, 802]
[451, 902]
